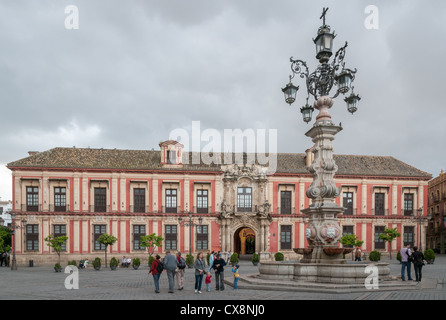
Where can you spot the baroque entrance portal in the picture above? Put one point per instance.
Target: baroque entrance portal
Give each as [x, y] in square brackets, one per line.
[244, 241]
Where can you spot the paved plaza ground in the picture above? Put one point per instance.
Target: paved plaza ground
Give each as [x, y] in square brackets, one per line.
[42, 283]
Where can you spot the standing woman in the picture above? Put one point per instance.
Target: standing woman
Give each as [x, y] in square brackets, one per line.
[418, 263]
[211, 260]
[200, 267]
[156, 275]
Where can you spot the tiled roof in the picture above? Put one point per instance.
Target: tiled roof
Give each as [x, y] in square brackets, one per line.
[292, 163]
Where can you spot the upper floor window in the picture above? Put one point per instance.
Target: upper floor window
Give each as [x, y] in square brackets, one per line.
[202, 201]
[60, 199]
[285, 202]
[100, 199]
[244, 199]
[379, 204]
[171, 200]
[32, 198]
[408, 204]
[139, 200]
[347, 203]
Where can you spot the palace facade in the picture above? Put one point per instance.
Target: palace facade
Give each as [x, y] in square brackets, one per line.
[236, 206]
[436, 230]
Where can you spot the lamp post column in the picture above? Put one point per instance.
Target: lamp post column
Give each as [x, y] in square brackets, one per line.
[323, 230]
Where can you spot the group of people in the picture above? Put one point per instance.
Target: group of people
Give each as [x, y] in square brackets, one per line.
[126, 262]
[407, 258]
[175, 266]
[4, 259]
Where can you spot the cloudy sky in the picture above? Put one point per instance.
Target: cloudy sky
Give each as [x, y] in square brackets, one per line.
[135, 70]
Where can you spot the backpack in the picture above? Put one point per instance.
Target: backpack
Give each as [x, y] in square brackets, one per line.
[160, 267]
[182, 263]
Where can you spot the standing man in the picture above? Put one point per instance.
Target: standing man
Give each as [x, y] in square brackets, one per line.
[170, 264]
[218, 265]
[405, 262]
[180, 271]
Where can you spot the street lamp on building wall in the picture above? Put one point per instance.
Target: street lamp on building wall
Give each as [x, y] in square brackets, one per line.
[419, 219]
[323, 230]
[14, 226]
[189, 224]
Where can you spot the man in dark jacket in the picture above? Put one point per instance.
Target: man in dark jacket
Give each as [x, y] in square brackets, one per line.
[218, 265]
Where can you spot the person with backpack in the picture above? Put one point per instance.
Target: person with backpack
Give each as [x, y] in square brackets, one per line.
[156, 269]
[406, 259]
[180, 271]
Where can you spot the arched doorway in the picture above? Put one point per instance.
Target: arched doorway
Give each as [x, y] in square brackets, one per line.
[245, 242]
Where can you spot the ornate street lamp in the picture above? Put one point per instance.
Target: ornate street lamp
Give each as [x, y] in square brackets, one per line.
[320, 82]
[15, 226]
[189, 224]
[323, 230]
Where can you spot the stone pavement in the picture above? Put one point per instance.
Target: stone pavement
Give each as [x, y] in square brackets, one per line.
[42, 283]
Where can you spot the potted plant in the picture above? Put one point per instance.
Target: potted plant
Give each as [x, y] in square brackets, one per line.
[190, 260]
[151, 259]
[429, 256]
[97, 263]
[234, 259]
[107, 240]
[56, 243]
[136, 263]
[398, 257]
[113, 263]
[72, 263]
[278, 256]
[374, 255]
[255, 259]
[57, 267]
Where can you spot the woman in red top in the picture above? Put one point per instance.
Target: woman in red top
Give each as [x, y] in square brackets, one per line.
[156, 275]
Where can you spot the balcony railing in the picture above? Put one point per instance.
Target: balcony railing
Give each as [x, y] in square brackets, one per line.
[380, 212]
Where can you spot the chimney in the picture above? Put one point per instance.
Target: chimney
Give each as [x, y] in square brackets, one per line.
[31, 153]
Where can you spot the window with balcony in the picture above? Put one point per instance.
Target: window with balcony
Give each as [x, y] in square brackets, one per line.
[171, 200]
[408, 204]
[285, 202]
[347, 202]
[32, 198]
[100, 199]
[244, 199]
[139, 200]
[60, 199]
[379, 204]
[202, 201]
